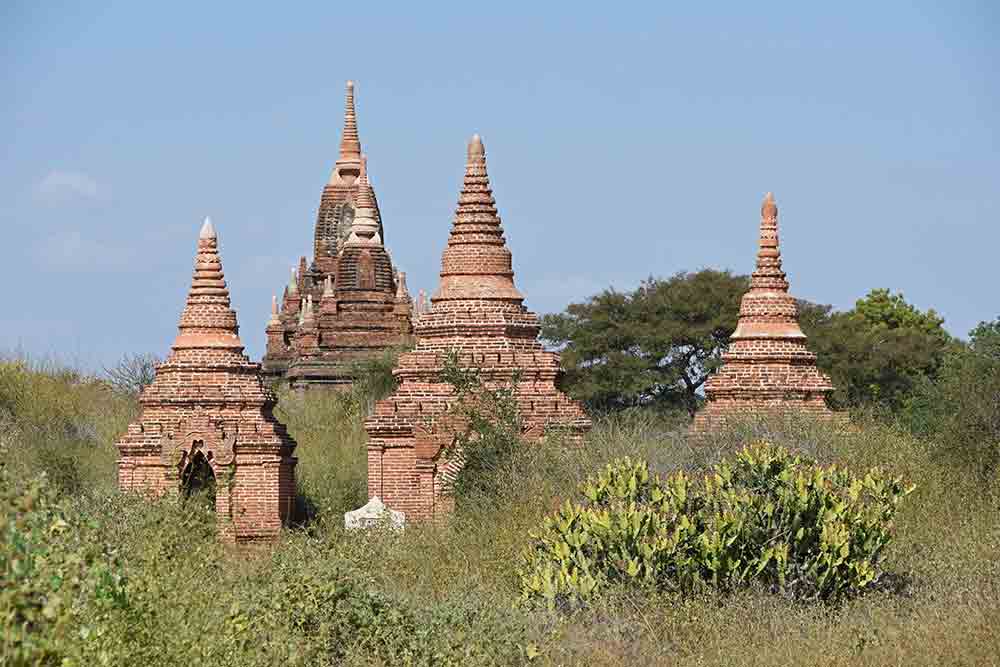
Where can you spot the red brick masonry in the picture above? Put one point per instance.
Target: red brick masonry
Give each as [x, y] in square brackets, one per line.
[767, 367]
[209, 404]
[479, 313]
[350, 304]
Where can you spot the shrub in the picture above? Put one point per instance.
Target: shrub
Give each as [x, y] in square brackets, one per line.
[490, 441]
[50, 567]
[766, 517]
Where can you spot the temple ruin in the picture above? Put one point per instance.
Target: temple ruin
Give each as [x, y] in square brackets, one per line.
[479, 314]
[207, 422]
[767, 367]
[350, 303]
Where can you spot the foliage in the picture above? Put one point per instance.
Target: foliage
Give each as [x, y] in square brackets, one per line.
[373, 377]
[49, 567]
[489, 437]
[133, 373]
[453, 586]
[59, 421]
[960, 412]
[655, 345]
[768, 516]
[878, 352]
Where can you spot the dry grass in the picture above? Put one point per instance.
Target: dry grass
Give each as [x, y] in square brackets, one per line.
[940, 607]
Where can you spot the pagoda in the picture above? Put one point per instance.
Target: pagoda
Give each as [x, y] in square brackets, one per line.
[207, 421]
[350, 303]
[478, 314]
[767, 367]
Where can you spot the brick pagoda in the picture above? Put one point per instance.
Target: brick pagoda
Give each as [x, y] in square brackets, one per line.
[767, 367]
[478, 313]
[350, 304]
[207, 419]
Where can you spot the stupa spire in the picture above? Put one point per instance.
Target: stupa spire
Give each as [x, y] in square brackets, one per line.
[476, 264]
[350, 144]
[767, 275]
[208, 321]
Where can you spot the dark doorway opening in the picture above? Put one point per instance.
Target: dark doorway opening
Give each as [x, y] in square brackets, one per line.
[198, 480]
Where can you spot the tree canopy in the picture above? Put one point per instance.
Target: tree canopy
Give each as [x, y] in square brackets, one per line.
[878, 352]
[655, 345]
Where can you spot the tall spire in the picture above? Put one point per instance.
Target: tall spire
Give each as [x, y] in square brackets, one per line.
[208, 321]
[350, 144]
[348, 164]
[768, 276]
[476, 264]
[767, 310]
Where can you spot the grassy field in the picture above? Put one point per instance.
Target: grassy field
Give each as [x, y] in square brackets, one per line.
[448, 594]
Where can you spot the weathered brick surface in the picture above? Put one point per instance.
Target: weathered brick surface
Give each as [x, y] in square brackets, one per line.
[767, 367]
[208, 398]
[357, 300]
[477, 312]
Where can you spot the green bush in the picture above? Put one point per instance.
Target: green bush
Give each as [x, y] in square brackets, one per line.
[50, 571]
[767, 517]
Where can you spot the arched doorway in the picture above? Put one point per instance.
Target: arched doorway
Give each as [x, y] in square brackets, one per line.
[198, 480]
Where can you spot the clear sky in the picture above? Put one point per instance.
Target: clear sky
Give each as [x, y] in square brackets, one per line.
[624, 140]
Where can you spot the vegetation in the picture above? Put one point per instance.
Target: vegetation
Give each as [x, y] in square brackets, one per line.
[127, 581]
[766, 517]
[879, 352]
[653, 346]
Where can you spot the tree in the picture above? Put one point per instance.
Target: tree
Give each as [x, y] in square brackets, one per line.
[133, 373]
[655, 345]
[878, 352]
[960, 412]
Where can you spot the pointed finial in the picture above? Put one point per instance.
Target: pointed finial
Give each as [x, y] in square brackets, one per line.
[207, 230]
[350, 144]
[293, 283]
[476, 149]
[309, 309]
[768, 208]
[274, 311]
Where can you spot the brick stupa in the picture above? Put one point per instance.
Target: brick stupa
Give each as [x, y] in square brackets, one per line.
[767, 367]
[350, 304]
[478, 313]
[207, 419]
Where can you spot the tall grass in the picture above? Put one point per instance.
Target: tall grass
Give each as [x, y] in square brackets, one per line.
[446, 593]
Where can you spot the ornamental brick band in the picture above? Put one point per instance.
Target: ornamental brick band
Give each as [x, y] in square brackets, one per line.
[767, 367]
[478, 313]
[208, 416]
[350, 304]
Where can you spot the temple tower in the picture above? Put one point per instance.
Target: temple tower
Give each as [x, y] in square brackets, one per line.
[767, 367]
[207, 420]
[478, 313]
[341, 329]
[362, 310]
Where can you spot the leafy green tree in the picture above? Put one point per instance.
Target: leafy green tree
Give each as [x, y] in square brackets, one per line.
[961, 410]
[879, 352]
[655, 345]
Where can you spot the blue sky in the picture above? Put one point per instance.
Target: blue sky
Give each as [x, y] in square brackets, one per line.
[623, 141]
